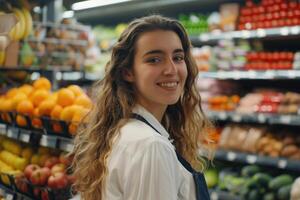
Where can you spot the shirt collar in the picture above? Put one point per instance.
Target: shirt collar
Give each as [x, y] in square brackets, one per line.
[138, 109]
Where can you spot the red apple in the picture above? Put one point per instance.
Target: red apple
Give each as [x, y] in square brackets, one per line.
[30, 169]
[37, 192]
[20, 182]
[40, 176]
[58, 180]
[45, 195]
[60, 167]
[64, 159]
[50, 162]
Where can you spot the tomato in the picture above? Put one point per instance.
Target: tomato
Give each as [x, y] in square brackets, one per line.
[283, 6]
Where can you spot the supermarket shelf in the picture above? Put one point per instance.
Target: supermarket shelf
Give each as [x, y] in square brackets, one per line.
[50, 68]
[255, 118]
[9, 194]
[76, 27]
[280, 163]
[59, 41]
[236, 75]
[37, 137]
[247, 34]
[221, 195]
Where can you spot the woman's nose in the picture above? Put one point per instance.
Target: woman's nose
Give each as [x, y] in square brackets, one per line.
[170, 67]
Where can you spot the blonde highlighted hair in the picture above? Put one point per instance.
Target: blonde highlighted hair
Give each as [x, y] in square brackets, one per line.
[114, 99]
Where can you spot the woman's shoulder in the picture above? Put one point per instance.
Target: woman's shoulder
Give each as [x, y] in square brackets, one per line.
[136, 133]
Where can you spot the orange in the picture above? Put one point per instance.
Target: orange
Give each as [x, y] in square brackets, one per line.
[26, 89]
[75, 89]
[12, 92]
[46, 107]
[68, 112]
[17, 99]
[38, 96]
[72, 129]
[53, 96]
[83, 100]
[35, 121]
[65, 97]
[56, 127]
[21, 121]
[55, 113]
[80, 114]
[42, 83]
[25, 107]
[7, 105]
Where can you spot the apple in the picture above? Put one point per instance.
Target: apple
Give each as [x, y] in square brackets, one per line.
[58, 180]
[37, 192]
[65, 159]
[40, 176]
[20, 182]
[50, 162]
[71, 178]
[60, 167]
[45, 195]
[30, 169]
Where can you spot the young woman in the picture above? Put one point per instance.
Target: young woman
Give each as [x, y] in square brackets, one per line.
[142, 138]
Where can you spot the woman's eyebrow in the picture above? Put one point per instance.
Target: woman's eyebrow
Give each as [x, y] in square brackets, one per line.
[157, 51]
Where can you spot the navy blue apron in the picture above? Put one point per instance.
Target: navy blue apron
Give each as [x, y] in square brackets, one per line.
[200, 183]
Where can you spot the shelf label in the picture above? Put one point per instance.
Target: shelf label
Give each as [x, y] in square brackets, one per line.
[295, 30]
[237, 118]
[2, 129]
[284, 31]
[251, 159]
[231, 156]
[44, 141]
[252, 74]
[9, 197]
[222, 115]
[48, 141]
[282, 164]
[13, 132]
[214, 196]
[285, 119]
[25, 135]
[270, 74]
[261, 118]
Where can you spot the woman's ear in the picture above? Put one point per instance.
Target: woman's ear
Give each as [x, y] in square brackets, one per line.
[128, 75]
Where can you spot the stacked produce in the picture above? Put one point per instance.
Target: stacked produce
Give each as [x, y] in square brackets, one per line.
[194, 23]
[269, 101]
[252, 183]
[33, 105]
[269, 14]
[38, 172]
[20, 31]
[260, 140]
[269, 60]
[223, 103]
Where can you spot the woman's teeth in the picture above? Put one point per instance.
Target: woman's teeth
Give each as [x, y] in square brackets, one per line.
[169, 84]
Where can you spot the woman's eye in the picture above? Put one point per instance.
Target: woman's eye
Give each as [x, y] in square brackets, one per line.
[178, 58]
[153, 60]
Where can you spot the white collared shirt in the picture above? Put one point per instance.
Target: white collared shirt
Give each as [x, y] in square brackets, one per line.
[143, 164]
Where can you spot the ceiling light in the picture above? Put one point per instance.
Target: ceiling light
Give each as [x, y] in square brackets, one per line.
[68, 14]
[94, 3]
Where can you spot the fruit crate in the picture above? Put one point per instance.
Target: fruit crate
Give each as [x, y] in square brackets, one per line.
[56, 127]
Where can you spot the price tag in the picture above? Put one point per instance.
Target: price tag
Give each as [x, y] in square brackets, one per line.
[261, 118]
[295, 30]
[2, 129]
[25, 137]
[251, 159]
[204, 37]
[214, 196]
[282, 164]
[261, 32]
[270, 74]
[13, 133]
[284, 31]
[291, 74]
[9, 197]
[44, 141]
[285, 119]
[222, 115]
[221, 75]
[231, 156]
[252, 74]
[237, 118]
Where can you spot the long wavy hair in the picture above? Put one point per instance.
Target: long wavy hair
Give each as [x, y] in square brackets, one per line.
[113, 103]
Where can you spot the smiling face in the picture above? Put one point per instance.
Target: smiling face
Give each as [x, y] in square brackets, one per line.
[159, 70]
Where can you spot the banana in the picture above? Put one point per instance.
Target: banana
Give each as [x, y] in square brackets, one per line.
[2, 58]
[21, 23]
[28, 22]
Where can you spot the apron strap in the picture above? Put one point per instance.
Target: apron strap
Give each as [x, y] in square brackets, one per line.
[200, 183]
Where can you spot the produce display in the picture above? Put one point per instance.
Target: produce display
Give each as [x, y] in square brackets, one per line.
[35, 106]
[252, 182]
[269, 14]
[40, 173]
[260, 140]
